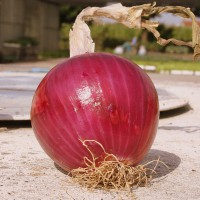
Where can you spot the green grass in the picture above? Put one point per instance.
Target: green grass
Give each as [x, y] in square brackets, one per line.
[167, 62]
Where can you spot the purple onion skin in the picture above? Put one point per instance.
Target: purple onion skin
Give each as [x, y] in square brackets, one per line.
[95, 96]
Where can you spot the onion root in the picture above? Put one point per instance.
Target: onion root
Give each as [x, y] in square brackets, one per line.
[111, 173]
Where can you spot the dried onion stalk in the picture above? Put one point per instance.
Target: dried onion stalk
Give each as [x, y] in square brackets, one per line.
[132, 17]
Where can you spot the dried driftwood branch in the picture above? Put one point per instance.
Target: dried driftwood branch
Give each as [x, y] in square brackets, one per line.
[132, 17]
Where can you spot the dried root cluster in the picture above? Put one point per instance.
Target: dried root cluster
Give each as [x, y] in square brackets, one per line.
[112, 173]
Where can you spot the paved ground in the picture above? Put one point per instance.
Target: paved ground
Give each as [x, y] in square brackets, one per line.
[27, 173]
[15, 86]
[27, 66]
[50, 63]
[19, 81]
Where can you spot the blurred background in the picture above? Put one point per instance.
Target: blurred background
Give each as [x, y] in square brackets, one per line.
[39, 29]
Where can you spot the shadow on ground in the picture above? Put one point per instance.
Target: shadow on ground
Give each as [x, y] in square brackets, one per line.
[27, 123]
[61, 169]
[168, 162]
[186, 129]
[10, 124]
[175, 112]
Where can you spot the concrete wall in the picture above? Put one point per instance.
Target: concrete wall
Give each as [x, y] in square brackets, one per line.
[33, 18]
[11, 19]
[49, 26]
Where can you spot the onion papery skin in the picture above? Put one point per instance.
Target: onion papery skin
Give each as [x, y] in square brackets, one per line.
[95, 96]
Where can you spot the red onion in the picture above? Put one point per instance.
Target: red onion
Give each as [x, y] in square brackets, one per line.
[95, 96]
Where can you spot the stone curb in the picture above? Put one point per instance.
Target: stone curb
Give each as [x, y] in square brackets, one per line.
[151, 68]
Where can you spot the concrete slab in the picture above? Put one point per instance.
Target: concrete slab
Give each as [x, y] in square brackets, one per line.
[15, 104]
[26, 172]
[182, 72]
[169, 101]
[148, 68]
[20, 80]
[197, 73]
[17, 90]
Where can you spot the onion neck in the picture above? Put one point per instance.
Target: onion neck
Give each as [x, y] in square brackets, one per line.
[133, 17]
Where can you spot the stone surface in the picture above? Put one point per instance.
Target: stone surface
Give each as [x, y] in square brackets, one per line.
[26, 172]
[17, 90]
[169, 101]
